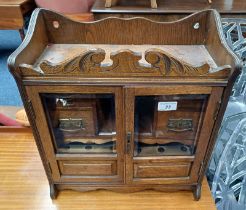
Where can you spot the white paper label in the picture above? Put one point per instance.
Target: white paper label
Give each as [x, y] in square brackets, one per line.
[167, 106]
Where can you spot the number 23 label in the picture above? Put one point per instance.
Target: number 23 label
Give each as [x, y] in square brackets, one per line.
[167, 106]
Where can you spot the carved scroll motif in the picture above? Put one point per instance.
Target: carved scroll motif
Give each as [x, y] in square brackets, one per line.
[170, 66]
[124, 63]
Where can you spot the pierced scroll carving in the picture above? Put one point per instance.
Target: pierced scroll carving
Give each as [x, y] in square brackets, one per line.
[79, 64]
[170, 66]
[124, 63]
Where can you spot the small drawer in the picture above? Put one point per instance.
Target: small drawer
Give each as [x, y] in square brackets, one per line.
[181, 123]
[88, 168]
[166, 170]
[76, 118]
[77, 122]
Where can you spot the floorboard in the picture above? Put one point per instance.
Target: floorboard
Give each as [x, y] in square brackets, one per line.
[23, 185]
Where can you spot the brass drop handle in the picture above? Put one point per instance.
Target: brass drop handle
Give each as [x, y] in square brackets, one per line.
[128, 142]
[180, 125]
[71, 125]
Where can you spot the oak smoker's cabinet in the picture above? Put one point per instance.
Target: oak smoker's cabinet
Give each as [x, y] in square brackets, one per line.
[124, 104]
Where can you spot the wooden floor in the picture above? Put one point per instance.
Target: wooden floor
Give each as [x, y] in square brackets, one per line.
[23, 185]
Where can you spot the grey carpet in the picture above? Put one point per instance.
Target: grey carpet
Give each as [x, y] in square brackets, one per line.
[9, 95]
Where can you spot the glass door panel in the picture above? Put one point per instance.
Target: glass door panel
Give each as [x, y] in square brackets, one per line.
[167, 124]
[81, 123]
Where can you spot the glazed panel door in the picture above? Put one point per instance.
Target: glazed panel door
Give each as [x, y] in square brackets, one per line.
[167, 129]
[80, 128]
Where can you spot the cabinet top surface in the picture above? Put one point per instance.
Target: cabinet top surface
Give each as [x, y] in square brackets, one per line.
[195, 55]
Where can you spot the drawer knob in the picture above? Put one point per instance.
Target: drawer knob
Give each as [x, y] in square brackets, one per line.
[128, 143]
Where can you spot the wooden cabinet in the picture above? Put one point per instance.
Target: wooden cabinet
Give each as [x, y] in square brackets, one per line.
[124, 111]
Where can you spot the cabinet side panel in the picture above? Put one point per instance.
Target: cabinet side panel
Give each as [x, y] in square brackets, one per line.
[206, 130]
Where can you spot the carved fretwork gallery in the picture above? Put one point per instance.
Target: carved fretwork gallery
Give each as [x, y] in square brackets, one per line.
[125, 63]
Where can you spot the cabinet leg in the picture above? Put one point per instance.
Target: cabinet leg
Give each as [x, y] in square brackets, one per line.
[153, 4]
[110, 3]
[197, 192]
[53, 191]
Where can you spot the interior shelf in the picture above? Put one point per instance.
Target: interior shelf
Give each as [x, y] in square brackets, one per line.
[153, 140]
[172, 149]
[77, 147]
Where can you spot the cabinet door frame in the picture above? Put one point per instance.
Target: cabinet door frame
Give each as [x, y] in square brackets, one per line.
[41, 122]
[196, 160]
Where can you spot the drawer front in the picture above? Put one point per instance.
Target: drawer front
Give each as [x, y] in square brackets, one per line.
[180, 123]
[88, 168]
[74, 117]
[75, 122]
[161, 170]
